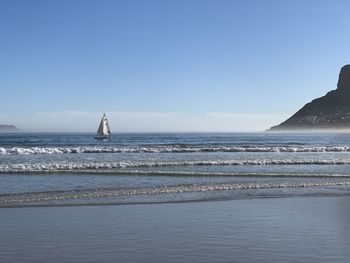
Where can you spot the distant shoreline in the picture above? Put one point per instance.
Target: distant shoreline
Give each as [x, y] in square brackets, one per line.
[8, 128]
[309, 130]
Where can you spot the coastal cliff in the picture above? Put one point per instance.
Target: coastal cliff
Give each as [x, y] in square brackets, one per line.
[331, 111]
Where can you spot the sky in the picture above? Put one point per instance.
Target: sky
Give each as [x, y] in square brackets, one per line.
[180, 65]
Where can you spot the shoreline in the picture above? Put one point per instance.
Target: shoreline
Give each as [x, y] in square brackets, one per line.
[185, 201]
[172, 194]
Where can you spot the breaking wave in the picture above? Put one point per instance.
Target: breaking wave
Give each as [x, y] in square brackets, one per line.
[64, 166]
[37, 197]
[168, 149]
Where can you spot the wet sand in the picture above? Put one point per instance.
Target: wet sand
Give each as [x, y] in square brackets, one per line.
[298, 229]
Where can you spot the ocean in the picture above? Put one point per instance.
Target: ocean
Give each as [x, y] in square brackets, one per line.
[50, 169]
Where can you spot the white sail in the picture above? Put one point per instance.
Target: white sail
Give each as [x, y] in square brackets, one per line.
[103, 130]
[106, 126]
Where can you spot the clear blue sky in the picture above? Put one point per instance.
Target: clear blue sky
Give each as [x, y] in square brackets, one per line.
[190, 57]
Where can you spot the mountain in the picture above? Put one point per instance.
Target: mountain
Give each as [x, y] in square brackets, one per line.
[331, 111]
[8, 128]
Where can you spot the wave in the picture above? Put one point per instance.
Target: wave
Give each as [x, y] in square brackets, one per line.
[36, 197]
[167, 149]
[64, 166]
[220, 174]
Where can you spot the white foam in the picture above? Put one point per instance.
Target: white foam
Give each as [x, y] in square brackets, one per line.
[168, 149]
[65, 166]
[21, 199]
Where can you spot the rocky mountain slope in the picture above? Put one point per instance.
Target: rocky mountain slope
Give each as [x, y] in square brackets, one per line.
[331, 111]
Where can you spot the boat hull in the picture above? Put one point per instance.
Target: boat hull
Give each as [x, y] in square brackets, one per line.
[103, 137]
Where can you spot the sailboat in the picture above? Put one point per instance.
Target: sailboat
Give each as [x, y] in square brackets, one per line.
[103, 131]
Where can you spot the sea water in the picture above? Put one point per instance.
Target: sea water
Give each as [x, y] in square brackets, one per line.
[76, 169]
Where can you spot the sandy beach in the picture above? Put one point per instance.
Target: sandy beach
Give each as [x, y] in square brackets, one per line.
[298, 229]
